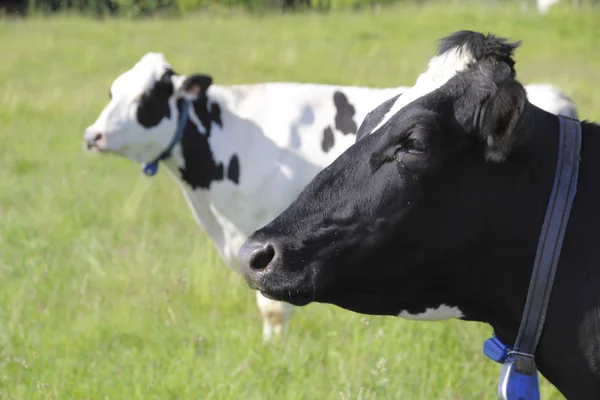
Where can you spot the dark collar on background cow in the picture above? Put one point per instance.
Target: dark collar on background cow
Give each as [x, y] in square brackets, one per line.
[519, 377]
[150, 168]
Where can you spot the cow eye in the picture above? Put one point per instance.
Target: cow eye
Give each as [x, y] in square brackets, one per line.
[411, 146]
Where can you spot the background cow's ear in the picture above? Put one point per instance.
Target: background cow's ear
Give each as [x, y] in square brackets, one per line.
[194, 84]
[163, 88]
[499, 127]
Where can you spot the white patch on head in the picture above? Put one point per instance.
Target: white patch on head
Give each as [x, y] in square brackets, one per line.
[118, 124]
[141, 76]
[441, 69]
[434, 314]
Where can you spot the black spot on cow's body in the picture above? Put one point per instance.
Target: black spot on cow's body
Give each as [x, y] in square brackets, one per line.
[154, 103]
[233, 172]
[216, 114]
[201, 168]
[328, 139]
[344, 114]
[207, 114]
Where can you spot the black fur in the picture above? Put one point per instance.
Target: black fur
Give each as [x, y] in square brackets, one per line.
[345, 111]
[154, 104]
[233, 172]
[200, 80]
[200, 168]
[344, 120]
[328, 139]
[482, 46]
[415, 215]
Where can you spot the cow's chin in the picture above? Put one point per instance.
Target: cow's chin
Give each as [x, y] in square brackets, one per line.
[297, 288]
[294, 299]
[298, 295]
[93, 149]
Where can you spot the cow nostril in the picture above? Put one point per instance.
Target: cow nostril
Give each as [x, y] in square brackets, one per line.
[261, 258]
[92, 138]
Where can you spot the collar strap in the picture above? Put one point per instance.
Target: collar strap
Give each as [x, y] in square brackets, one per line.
[519, 377]
[150, 168]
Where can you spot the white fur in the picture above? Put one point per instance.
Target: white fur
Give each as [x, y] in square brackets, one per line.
[434, 314]
[276, 130]
[550, 98]
[441, 69]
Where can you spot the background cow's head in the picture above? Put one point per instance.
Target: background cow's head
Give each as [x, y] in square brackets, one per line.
[141, 118]
[402, 222]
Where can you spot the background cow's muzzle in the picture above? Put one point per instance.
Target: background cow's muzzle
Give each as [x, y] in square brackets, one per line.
[94, 140]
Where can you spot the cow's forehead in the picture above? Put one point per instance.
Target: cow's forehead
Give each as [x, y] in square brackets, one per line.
[440, 70]
[142, 75]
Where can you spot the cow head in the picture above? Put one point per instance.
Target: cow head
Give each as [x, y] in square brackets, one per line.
[401, 223]
[141, 117]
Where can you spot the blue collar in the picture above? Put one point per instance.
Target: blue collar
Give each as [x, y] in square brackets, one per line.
[519, 376]
[150, 168]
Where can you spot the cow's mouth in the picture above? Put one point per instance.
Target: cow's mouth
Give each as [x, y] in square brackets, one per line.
[94, 148]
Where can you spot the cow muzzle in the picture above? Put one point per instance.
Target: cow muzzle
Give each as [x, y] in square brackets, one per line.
[257, 259]
[265, 269]
[94, 140]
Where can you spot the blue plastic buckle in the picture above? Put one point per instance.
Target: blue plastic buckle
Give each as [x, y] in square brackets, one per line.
[513, 385]
[495, 349]
[150, 168]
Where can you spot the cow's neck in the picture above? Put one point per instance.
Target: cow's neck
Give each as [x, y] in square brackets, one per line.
[499, 272]
[499, 268]
[202, 166]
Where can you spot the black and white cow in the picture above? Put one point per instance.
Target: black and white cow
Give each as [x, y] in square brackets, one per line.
[436, 210]
[247, 150]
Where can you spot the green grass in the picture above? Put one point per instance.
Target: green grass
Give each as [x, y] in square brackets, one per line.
[109, 290]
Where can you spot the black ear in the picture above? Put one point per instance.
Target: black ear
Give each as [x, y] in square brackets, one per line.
[163, 88]
[375, 117]
[196, 84]
[500, 124]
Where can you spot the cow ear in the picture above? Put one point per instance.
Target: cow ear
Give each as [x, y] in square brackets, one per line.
[502, 114]
[193, 85]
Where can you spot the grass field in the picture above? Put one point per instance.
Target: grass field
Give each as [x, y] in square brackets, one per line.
[109, 290]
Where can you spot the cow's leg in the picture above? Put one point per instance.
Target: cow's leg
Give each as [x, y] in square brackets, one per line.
[275, 316]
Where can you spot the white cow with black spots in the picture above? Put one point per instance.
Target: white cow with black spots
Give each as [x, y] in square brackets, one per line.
[244, 152]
